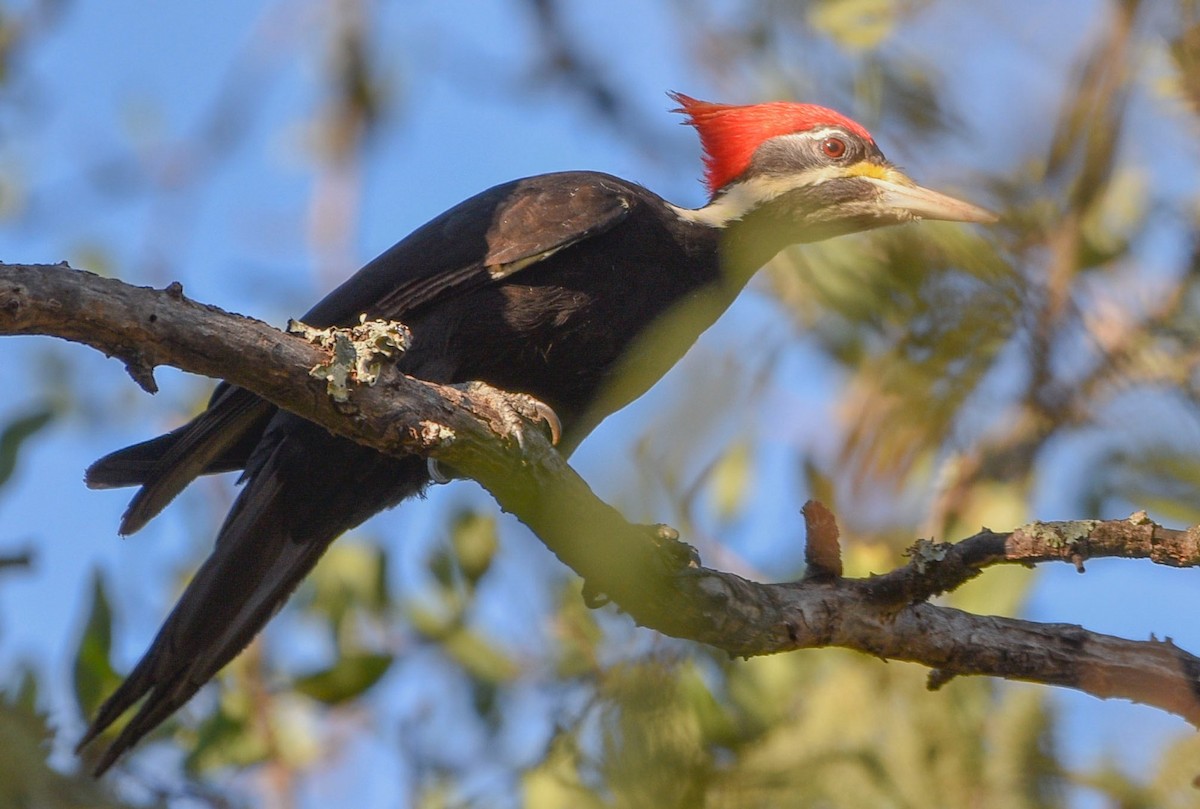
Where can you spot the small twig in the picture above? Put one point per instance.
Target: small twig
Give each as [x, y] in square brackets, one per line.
[941, 567]
[822, 553]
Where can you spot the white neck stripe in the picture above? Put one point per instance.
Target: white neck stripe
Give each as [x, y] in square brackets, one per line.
[740, 199]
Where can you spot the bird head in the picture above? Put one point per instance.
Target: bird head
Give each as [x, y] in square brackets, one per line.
[808, 172]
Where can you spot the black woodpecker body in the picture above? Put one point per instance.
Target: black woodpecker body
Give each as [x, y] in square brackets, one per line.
[547, 286]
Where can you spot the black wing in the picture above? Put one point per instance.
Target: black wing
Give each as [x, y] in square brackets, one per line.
[486, 238]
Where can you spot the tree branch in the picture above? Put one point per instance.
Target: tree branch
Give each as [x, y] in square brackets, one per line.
[644, 569]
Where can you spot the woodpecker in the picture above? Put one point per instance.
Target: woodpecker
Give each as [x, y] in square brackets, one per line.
[547, 286]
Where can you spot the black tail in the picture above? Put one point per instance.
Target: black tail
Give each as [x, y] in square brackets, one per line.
[305, 492]
[218, 440]
[132, 466]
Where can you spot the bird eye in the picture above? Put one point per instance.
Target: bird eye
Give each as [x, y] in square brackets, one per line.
[833, 147]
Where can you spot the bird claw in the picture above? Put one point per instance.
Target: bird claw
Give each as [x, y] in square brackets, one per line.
[547, 416]
[435, 471]
[518, 410]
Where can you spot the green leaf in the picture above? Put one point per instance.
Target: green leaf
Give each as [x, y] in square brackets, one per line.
[348, 678]
[15, 434]
[351, 576]
[26, 780]
[855, 24]
[557, 779]
[481, 659]
[578, 634]
[731, 480]
[473, 536]
[94, 673]
[226, 738]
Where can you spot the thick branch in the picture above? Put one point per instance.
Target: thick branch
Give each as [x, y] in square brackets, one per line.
[644, 570]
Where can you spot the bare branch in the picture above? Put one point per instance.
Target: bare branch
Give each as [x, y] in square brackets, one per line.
[644, 569]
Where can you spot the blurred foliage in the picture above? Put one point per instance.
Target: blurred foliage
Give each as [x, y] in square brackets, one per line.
[95, 677]
[962, 359]
[15, 433]
[27, 780]
[346, 679]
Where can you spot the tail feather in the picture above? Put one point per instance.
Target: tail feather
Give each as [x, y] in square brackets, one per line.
[218, 440]
[305, 494]
[131, 466]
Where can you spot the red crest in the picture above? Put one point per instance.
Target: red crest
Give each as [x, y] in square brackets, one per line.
[730, 134]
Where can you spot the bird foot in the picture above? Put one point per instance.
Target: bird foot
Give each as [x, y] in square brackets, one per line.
[517, 411]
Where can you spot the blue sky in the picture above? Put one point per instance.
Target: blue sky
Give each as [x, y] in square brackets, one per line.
[471, 111]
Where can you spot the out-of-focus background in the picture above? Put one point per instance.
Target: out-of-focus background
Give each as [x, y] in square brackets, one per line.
[921, 381]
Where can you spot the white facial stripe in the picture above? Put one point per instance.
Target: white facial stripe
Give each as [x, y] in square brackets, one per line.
[741, 198]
